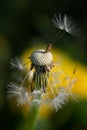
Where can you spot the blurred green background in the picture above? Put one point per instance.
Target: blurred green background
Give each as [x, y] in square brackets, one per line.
[24, 23]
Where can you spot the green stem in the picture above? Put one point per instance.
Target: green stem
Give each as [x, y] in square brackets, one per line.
[32, 119]
[30, 122]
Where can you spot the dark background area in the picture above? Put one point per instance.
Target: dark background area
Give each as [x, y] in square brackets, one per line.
[24, 23]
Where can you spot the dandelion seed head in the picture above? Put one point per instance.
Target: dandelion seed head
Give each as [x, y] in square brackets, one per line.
[41, 57]
[45, 84]
[42, 83]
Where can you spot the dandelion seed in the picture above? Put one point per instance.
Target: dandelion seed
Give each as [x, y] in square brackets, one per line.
[66, 24]
[60, 99]
[23, 99]
[16, 63]
[19, 92]
[36, 103]
[59, 22]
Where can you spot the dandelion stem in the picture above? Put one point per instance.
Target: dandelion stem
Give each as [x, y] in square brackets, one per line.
[29, 123]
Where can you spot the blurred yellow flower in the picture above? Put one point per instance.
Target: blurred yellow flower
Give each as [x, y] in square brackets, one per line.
[73, 69]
